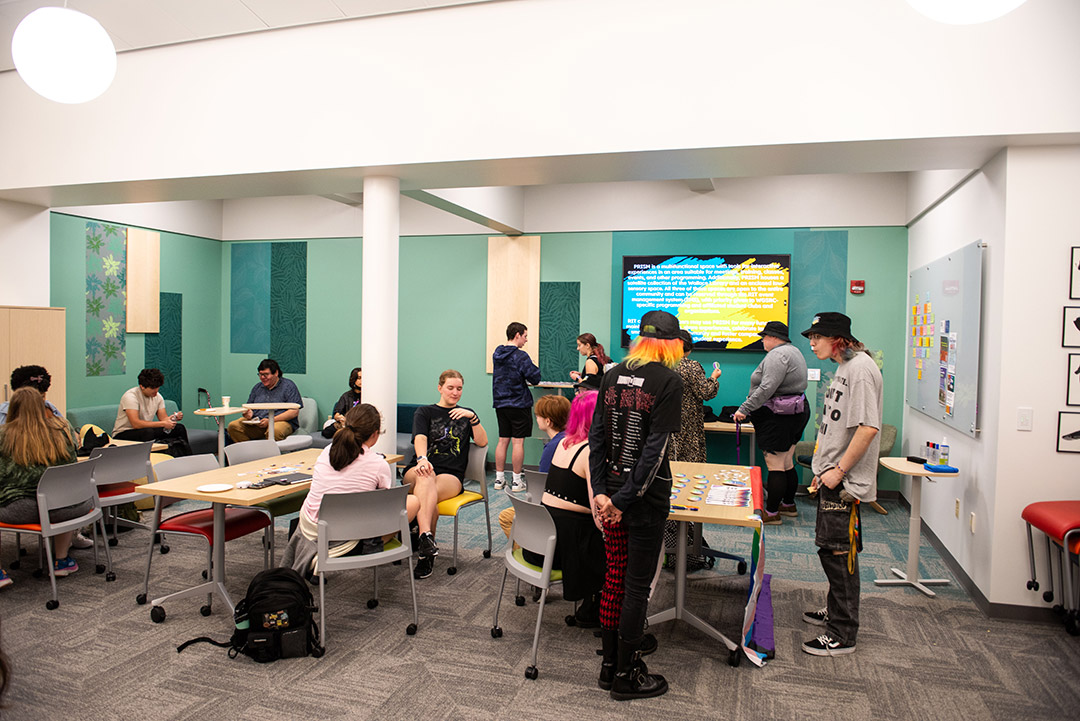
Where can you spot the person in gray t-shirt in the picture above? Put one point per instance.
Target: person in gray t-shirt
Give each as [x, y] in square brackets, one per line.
[845, 474]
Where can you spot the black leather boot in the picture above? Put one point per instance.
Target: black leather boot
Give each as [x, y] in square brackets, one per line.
[632, 679]
[610, 651]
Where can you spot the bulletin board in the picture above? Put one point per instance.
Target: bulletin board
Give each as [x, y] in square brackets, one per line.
[943, 313]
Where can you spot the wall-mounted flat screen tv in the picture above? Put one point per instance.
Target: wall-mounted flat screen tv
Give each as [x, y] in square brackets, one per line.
[723, 300]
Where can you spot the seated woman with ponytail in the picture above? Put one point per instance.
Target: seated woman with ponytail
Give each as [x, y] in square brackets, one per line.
[349, 465]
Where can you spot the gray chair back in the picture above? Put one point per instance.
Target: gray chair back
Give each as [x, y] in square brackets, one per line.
[185, 466]
[364, 515]
[535, 481]
[68, 485]
[122, 464]
[476, 470]
[251, 451]
[533, 529]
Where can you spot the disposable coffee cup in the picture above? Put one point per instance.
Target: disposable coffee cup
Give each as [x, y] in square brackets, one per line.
[225, 401]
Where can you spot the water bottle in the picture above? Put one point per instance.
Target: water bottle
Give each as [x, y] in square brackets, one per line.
[943, 452]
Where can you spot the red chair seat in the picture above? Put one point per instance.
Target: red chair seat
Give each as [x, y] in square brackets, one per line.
[238, 522]
[115, 489]
[21, 526]
[1055, 519]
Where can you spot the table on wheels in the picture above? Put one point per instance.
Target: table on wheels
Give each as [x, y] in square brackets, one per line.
[685, 509]
[187, 487]
[745, 427]
[911, 578]
[218, 414]
[271, 407]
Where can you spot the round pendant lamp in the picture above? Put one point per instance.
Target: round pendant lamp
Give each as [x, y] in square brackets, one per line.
[964, 12]
[64, 55]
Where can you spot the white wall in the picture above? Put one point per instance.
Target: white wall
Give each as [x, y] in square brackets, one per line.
[974, 212]
[24, 248]
[790, 201]
[1023, 204]
[550, 78]
[201, 218]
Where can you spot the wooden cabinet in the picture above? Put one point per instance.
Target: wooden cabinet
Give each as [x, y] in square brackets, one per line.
[34, 336]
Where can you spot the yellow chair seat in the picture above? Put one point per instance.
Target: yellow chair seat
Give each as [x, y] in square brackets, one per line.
[556, 574]
[451, 506]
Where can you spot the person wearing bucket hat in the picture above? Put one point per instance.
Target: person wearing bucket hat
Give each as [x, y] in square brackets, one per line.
[637, 411]
[777, 407]
[845, 475]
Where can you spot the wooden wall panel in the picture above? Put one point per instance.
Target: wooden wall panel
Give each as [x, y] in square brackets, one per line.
[513, 290]
[37, 337]
[143, 280]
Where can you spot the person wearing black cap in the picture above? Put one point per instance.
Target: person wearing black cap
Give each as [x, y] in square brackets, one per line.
[778, 409]
[637, 411]
[845, 475]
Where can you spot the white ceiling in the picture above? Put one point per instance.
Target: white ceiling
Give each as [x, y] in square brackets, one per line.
[134, 24]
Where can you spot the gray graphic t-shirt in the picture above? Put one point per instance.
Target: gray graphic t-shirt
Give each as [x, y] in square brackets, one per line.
[854, 399]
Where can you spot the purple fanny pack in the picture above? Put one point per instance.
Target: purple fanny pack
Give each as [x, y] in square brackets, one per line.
[786, 405]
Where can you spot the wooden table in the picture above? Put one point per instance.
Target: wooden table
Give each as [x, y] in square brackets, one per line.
[916, 472]
[186, 487]
[218, 414]
[271, 407]
[684, 510]
[744, 427]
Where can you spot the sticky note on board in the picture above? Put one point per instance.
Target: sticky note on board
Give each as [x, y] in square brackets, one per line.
[918, 375]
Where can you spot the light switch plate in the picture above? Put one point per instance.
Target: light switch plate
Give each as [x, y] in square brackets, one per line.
[813, 374]
[1023, 419]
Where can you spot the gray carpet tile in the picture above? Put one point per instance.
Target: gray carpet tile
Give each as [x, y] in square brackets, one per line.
[99, 655]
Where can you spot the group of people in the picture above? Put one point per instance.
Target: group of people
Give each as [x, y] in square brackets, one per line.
[607, 462]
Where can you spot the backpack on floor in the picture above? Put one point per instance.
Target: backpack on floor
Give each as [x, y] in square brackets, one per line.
[276, 619]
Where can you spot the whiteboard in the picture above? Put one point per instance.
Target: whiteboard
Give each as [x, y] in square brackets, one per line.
[943, 312]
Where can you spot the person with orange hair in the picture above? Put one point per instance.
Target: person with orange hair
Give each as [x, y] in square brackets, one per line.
[638, 409]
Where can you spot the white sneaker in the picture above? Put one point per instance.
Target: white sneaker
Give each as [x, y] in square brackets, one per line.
[500, 483]
[80, 541]
[518, 485]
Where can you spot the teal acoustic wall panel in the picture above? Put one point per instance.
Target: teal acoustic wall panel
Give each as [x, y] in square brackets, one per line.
[249, 327]
[288, 306]
[560, 318]
[106, 298]
[164, 349]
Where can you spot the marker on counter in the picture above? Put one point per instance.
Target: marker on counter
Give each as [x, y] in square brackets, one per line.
[683, 508]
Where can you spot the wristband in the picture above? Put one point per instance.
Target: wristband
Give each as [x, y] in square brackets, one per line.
[843, 473]
[420, 458]
[475, 421]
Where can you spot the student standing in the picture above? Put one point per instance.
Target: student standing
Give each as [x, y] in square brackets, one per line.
[637, 412]
[845, 475]
[512, 371]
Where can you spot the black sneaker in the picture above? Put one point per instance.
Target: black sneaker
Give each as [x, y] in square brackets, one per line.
[819, 617]
[826, 645]
[424, 567]
[427, 545]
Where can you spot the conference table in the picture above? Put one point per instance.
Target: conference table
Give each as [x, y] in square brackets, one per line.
[218, 414]
[691, 485]
[916, 472]
[188, 487]
[738, 429]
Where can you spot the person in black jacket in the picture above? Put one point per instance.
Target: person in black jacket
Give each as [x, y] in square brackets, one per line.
[512, 371]
[639, 408]
[344, 404]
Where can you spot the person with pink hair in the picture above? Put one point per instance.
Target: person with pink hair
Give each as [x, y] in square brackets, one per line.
[579, 549]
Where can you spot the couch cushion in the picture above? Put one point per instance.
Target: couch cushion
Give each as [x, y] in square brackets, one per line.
[310, 423]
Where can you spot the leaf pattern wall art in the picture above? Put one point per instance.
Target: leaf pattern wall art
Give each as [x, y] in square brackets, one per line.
[249, 327]
[106, 299]
[560, 318]
[164, 349]
[288, 306]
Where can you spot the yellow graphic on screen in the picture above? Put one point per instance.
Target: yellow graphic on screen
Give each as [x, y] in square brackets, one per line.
[734, 306]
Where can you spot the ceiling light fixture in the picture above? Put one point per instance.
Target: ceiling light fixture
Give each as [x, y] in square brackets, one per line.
[964, 12]
[64, 55]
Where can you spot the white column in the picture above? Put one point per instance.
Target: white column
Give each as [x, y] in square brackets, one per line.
[379, 302]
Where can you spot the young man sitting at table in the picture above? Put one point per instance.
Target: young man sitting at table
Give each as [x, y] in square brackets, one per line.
[271, 388]
[141, 415]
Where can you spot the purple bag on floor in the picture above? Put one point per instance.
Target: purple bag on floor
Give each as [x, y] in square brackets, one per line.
[786, 405]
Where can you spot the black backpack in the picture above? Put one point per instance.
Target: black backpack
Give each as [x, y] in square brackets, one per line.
[276, 619]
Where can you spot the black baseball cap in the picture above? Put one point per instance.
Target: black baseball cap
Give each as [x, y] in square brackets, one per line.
[831, 325]
[659, 324]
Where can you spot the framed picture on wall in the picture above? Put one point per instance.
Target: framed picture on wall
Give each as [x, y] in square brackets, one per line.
[1070, 327]
[1074, 275]
[1072, 385]
[1068, 432]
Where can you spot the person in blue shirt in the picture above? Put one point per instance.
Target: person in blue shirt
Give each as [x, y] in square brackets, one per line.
[271, 388]
[35, 377]
[512, 371]
[552, 412]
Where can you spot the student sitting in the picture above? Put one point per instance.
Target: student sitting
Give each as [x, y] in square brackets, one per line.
[272, 387]
[31, 440]
[551, 413]
[349, 465]
[349, 399]
[35, 377]
[142, 417]
[441, 435]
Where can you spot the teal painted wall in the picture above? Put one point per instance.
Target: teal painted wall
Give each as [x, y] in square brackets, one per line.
[190, 266]
[333, 325]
